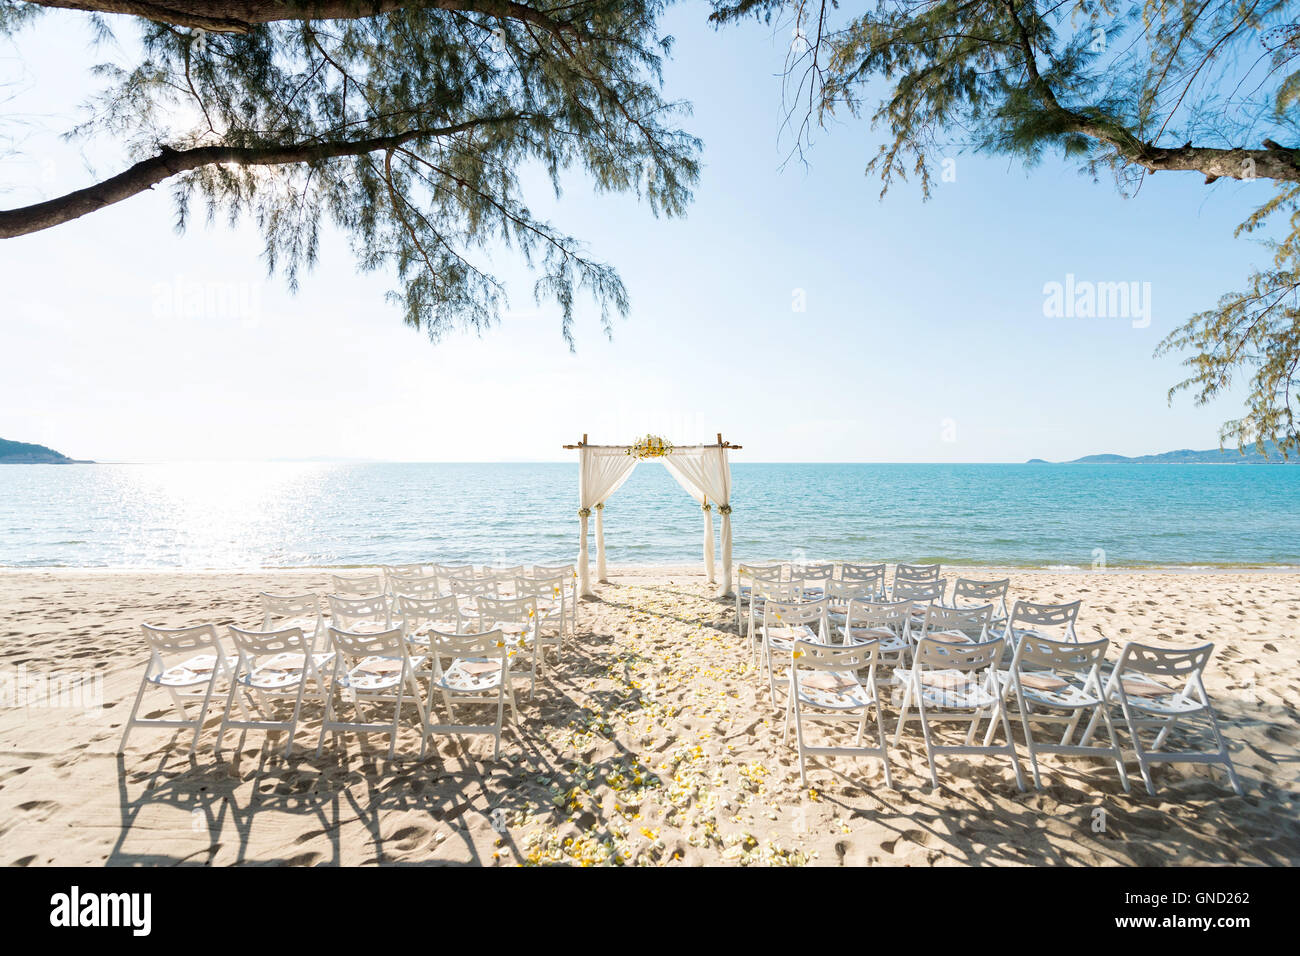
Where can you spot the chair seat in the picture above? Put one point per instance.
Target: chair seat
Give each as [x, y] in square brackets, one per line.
[367, 627]
[471, 674]
[1053, 689]
[1150, 697]
[196, 670]
[282, 670]
[950, 688]
[889, 641]
[783, 638]
[306, 624]
[833, 690]
[421, 634]
[376, 673]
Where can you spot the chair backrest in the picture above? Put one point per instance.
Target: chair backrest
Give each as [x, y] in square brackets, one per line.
[971, 621]
[566, 571]
[519, 610]
[287, 606]
[895, 615]
[445, 572]
[810, 613]
[542, 587]
[787, 591]
[840, 592]
[920, 591]
[424, 586]
[399, 578]
[809, 655]
[166, 641]
[416, 612]
[748, 574]
[873, 574]
[940, 655]
[810, 573]
[1042, 653]
[387, 643]
[968, 591]
[1039, 617]
[356, 585]
[254, 644]
[347, 612]
[1184, 663]
[489, 645]
[467, 586]
[915, 573]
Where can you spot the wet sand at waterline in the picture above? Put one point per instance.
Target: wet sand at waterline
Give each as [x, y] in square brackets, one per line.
[652, 741]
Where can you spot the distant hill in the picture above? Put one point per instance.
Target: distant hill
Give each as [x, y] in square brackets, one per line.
[1188, 456]
[23, 453]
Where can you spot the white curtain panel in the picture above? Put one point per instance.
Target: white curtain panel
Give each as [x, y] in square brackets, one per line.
[707, 471]
[601, 472]
[700, 498]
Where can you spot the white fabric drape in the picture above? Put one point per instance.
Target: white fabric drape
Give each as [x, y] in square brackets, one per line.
[601, 573]
[601, 471]
[707, 471]
[701, 498]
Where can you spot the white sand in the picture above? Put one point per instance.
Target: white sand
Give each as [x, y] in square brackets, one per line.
[652, 740]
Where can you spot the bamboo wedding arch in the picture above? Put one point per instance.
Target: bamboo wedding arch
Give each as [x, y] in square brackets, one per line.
[704, 471]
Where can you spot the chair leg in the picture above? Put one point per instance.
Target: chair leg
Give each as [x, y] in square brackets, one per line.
[1114, 743]
[1000, 710]
[884, 745]
[798, 733]
[1223, 752]
[1029, 745]
[130, 721]
[929, 746]
[203, 711]
[1138, 749]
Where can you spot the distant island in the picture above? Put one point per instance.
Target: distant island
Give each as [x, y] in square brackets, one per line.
[25, 453]
[1187, 456]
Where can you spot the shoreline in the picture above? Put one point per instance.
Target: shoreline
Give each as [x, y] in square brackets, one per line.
[652, 569]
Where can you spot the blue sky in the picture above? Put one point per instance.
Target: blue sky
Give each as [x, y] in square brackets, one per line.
[923, 336]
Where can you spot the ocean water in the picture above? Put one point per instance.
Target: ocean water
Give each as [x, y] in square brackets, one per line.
[238, 515]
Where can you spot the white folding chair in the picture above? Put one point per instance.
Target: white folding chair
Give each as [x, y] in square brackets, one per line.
[788, 592]
[813, 577]
[826, 683]
[477, 672]
[889, 625]
[746, 576]
[504, 578]
[1163, 687]
[784, 623]
[468, 588]
[967, 592]
[371, 668]
[970, 624]
[370, 614]
[552, 607]
[872, 575]
[1052, 621]
[840, 593]
[1057, 683]
[921, 594]
[281, 611]
[914, 574]
[272, 665]
[569, 574]
[956, 682]
[408, 579]
[424, 587]
[187, 662]
[517, 619]
[420, 617]
[357, 585]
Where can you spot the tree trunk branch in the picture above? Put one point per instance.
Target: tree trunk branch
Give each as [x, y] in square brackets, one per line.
[240, 16]
[170, 162]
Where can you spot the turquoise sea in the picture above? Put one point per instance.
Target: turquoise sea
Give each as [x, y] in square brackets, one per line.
[236, 515]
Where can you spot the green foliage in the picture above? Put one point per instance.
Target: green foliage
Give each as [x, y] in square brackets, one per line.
[1127, 87]
[472, 100]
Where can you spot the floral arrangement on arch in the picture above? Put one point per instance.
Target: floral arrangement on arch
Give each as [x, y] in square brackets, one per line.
[651, 446]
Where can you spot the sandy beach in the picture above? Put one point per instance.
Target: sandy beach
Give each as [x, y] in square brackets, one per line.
[650, 742]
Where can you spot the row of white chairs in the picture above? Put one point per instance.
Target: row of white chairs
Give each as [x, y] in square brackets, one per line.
[958, 667]
[467, 648]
